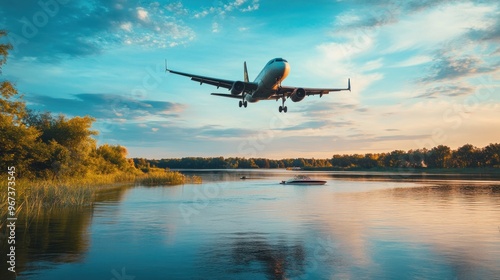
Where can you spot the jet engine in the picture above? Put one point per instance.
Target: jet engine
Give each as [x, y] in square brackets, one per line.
[298, 94]
[237, 88]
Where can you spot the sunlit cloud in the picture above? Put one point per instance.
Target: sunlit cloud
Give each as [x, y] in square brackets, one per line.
[450, 68]
[106, 106]
[142, 14]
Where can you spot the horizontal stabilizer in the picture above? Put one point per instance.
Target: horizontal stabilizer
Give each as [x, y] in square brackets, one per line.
[227, 95]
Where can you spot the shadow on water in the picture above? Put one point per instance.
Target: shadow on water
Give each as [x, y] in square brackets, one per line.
[248, 255]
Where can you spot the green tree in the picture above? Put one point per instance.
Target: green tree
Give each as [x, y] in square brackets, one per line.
[368, 161]
[466, 156]
[110, 159]
[69, 140]
[17, 141]
[491, 155]
[439, 157]
[416, 158]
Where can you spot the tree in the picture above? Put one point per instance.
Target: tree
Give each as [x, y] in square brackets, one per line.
[16, 140]
[110, 159]
[416, 158]
[4, 50]
[466, 156]
[368, 161]
[439, 157]
[68, 137]
[491, 155]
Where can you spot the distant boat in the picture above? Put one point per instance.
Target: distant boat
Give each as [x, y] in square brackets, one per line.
[248, 178]
[294, 168]
[302, 180]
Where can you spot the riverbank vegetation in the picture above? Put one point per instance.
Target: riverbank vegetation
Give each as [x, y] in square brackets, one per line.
[35, 196]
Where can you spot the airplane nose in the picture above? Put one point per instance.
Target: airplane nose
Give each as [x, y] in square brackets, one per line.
[286, 69]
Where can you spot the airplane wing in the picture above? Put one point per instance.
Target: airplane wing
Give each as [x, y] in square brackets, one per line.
[287, 91]
[249, 87]
[227, 95]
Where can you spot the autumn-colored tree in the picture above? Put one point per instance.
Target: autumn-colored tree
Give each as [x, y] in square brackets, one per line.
[491, 155]
[17, 141]
[48, 146]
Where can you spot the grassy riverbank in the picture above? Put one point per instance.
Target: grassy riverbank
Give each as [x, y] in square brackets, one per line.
[34, 196]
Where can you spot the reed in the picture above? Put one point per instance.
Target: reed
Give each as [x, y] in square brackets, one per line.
[160, 177]
[34, 196]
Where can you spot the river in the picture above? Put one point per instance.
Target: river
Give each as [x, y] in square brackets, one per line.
[366, 227]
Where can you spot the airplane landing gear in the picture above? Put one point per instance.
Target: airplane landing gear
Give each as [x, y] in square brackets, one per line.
[243, 104]
[283, 108]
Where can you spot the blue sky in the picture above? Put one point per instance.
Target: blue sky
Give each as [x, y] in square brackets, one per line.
[423, 73]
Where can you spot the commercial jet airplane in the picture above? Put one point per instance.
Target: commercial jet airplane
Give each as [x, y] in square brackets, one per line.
[267, 85]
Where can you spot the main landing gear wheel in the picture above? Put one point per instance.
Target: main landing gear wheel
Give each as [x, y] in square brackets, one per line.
[283, 108]
[243, 104]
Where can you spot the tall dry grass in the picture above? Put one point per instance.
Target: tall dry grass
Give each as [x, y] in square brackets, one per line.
[160, 177]
[34, 196]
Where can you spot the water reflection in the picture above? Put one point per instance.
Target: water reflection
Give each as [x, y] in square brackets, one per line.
[453, 226]
[53, 237]
[254, 229]
[57, 236]
[247, 254]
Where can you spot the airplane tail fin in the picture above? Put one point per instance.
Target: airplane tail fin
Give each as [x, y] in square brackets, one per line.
[245, 72]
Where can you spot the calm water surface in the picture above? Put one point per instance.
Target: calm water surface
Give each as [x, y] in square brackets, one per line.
[229, 228]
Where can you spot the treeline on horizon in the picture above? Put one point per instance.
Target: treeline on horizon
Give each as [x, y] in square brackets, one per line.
[466, 156]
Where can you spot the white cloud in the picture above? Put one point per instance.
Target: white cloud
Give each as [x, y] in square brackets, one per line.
[223, 9]
[413, 61]
[429, 28]
[127, 26]
[142, 14]
[251, 7]
[176, 8]
[372, 65]
[215, 27]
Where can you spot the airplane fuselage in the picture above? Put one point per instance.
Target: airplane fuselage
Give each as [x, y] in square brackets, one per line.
[269, 79]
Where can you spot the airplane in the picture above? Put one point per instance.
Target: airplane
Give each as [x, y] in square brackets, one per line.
[267, 85]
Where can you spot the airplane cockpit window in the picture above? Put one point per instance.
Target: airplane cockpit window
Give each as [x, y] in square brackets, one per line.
[276, 60]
